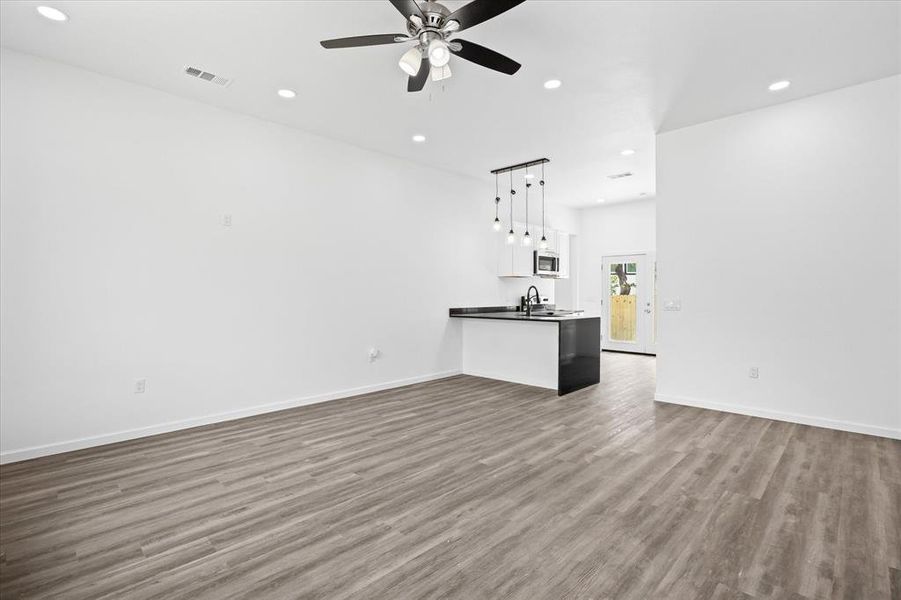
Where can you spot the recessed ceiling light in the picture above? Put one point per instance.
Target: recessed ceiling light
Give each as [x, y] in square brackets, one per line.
[552, 84]
[286, 93]
[600, 200]
[779, 85]
[627, 152]
[418, 138]
[52, 13]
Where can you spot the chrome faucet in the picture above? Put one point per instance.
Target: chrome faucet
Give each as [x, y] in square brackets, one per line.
[529, 299]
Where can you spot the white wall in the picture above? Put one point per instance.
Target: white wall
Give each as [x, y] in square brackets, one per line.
[779, 230]
[115, 265]
[621, 228]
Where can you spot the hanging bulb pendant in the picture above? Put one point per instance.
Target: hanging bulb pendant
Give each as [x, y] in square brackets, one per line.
[543, 243]
[511, 237]
[497, 204]
[526, 238]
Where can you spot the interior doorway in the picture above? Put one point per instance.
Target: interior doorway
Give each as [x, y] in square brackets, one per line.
[630, 303]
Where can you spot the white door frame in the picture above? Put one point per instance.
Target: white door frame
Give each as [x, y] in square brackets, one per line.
[645, 335]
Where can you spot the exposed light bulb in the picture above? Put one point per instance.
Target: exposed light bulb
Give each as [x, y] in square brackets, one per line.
[411, 61]
[526, 239]
[497, 224]
[511, 237]
[542, 245]
[439, 55]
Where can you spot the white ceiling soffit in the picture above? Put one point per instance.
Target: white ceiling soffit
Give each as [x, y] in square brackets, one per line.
[628, 69]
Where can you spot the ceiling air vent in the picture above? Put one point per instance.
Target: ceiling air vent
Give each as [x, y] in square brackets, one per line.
[619, 175]
[206, 76]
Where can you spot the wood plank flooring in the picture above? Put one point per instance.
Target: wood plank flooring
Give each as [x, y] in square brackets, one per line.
[465, 488]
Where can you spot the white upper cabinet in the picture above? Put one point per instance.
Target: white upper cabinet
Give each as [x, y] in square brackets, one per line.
[516, 260]
[522, 258]
[563, 253]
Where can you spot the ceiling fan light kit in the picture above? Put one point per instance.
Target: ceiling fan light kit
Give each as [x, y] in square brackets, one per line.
[410, 61]
[439, 55]
[430, 26]
[439, 73]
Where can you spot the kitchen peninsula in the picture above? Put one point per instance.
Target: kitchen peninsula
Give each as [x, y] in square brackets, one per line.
[552, 349]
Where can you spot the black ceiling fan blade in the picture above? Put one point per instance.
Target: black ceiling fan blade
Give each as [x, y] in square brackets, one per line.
[407, 8]
[486, 57]
[364, 40]
[479, 11]
[416, 82]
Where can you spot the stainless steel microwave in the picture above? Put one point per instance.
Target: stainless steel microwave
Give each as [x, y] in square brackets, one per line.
[546, 264]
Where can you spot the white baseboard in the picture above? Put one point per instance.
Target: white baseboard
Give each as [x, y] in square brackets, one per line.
[532, 381]
[776, 415]
[11, 456]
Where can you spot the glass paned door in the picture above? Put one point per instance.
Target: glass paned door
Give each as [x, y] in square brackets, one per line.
[629, 299]
[623, 298]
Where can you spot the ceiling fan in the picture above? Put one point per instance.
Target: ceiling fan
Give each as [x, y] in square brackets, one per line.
[431, 26]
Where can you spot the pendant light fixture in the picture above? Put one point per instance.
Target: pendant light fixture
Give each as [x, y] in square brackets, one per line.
[526, 238]
[511, 236]
[497, 202]
[543, 243]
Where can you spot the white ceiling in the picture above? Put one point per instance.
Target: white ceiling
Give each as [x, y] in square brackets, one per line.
[629, 69]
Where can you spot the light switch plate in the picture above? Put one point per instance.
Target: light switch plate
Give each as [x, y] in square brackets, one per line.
[673, 304]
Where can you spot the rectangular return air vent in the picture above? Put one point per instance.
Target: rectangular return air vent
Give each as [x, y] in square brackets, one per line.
[206, 76]
[619, 175]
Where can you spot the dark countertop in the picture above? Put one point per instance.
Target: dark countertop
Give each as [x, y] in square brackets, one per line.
[511, 313]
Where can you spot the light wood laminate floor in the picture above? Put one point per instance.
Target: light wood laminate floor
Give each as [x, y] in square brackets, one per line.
[464, 488]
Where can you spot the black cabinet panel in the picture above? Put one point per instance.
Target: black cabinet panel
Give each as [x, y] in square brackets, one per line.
[580, 355]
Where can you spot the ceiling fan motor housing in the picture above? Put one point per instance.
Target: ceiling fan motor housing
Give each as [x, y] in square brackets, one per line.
[430, 28]
[434, 13]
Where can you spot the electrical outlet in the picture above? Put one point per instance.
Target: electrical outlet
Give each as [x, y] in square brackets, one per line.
[753, 373]
[226, 220]
[140, 386]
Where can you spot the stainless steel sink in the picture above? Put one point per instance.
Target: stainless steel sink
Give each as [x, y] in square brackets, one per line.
[555, 313]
